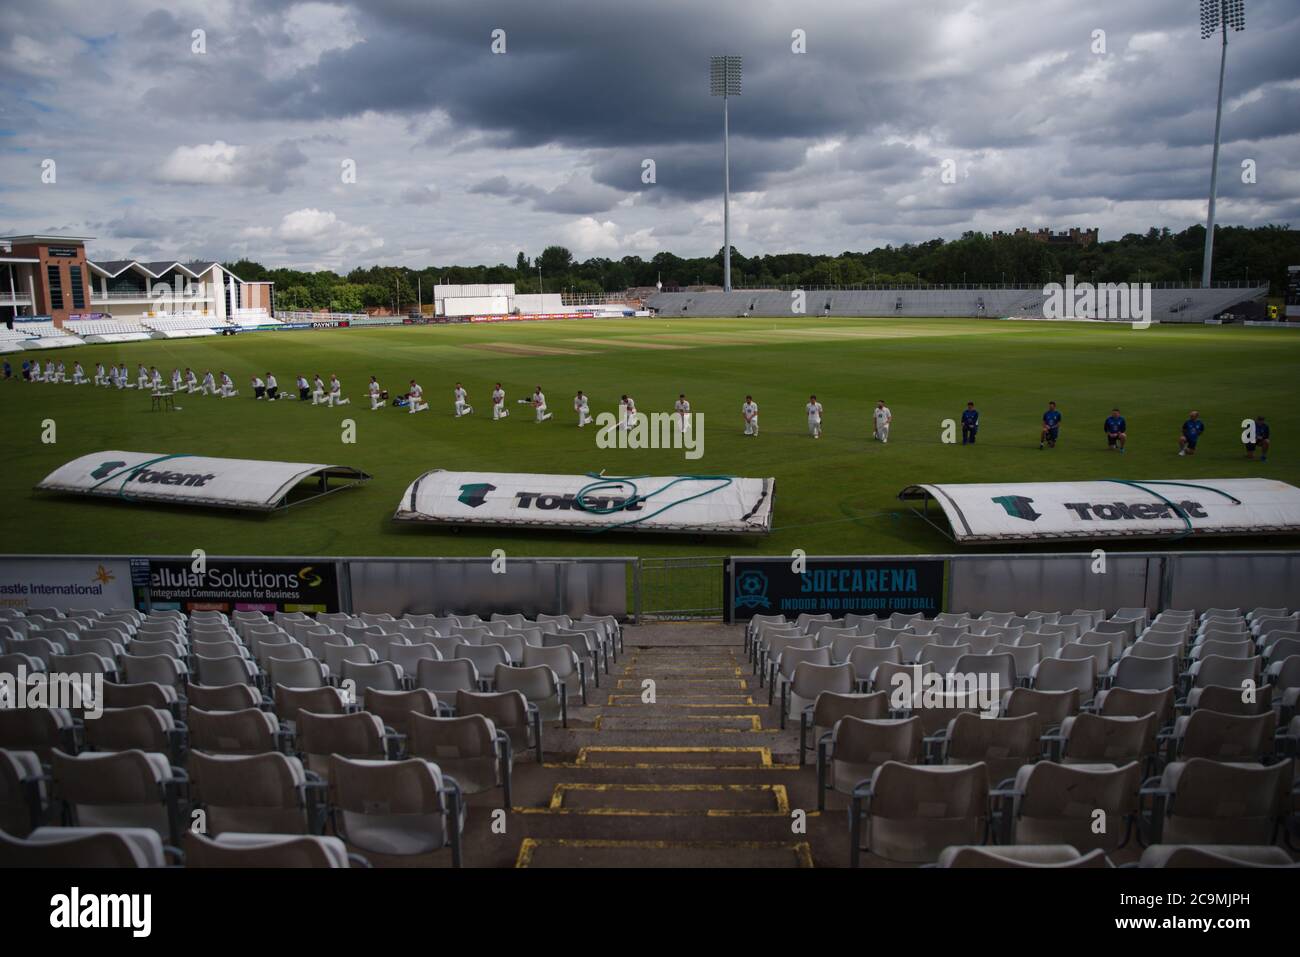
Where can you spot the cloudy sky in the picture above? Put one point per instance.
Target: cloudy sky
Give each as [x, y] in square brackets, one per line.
[237, 141]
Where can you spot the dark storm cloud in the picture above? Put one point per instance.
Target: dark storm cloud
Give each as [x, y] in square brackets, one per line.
[556, 130]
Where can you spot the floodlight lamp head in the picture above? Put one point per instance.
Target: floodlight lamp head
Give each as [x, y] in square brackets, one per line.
[1218, 13]
[724, 75]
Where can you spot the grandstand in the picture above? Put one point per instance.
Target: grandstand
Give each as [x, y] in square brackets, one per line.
[391, 737]
[1175, 304]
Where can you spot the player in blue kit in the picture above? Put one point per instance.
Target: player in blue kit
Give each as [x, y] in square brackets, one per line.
[1261, 440]
[1051, 427]
[1192, 430]
[970, 424]
[1116, 430]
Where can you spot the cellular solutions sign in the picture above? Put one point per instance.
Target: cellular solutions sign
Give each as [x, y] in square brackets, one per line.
[241, 586]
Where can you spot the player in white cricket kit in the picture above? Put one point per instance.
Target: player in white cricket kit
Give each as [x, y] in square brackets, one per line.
[304, 388]
[141, 377]
[336, 392]
[582, 406]
[51, 374]
[626, 412]
[78, 374]
[461, 398]
[60, 372]
[155, 380]
[750, 411]
[499, 410]
[100, 377]
[882, 417]
[318, 391]
[272, 388]
[814, 410]
[228, 390]
[415, 399]
[191, 381]
[682, 412]
[539, 404]
[176, 379]
[118, 375]
[376, 394]
[209, 384]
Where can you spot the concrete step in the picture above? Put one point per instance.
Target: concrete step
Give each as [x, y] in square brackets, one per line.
[642, 853]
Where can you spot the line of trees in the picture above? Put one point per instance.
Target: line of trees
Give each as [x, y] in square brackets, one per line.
[1241, 253]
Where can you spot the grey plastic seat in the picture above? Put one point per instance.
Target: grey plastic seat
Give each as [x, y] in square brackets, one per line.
[1059, 674]
[358, 734]
[858, 746]
[397, 808]
[379, 676]
[78, 847]
[250, 731]
[255, 850]
[141, 727]
[943, 657]
[539, 685]
[1227, 672]
[119, 789]
[227, 670]
[1002, 744]
[1027, 856]
[334, 655]
[469, 748]
[297, 672]
[1225, 737]
[446, 677]
[509, 711]
[1055, 804]
[485, 658]
[267, 793]
[913, 812]
[395, 708]
[811, 680]
[1213, 802]
[1089, 738]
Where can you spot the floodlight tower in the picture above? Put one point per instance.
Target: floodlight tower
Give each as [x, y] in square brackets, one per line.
[724, 81]
[1216, 17]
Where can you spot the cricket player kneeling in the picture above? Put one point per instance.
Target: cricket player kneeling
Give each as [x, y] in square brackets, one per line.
[78, 375]
[539, 404]
[415, 399]
[583, 407]
[336, 393]
[750, 411]
[499, 410]
[461, 402]
[626, 413]
[228, 390]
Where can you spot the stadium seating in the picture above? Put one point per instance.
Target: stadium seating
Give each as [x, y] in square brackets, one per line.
[95, 331]
[250, 718]
[1167, 305]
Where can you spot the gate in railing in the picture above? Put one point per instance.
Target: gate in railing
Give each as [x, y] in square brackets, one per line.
[678, 588]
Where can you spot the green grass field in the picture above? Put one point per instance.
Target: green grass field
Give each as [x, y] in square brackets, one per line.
[833, 496]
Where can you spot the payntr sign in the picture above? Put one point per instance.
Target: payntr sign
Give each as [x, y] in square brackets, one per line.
[770, 586]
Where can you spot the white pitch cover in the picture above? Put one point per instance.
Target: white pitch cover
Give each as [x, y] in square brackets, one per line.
[1109, 509]
[183, 479]
[724, 506]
